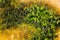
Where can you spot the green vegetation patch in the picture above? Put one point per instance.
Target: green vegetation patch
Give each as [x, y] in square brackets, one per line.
[42, 17]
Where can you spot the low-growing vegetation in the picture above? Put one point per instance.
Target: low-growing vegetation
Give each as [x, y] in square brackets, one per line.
[42, 19]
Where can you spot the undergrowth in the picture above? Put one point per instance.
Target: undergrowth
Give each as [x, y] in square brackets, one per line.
[40, 16]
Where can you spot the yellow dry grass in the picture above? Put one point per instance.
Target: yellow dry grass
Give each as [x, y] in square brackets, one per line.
[23, 32]
[58, 34]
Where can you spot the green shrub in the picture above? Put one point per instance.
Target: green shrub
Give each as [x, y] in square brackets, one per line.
[44, 18]
[41, 16]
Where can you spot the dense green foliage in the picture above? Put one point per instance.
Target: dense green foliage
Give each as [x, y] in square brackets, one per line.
[11, 16]
[41, 16]
[46, 19]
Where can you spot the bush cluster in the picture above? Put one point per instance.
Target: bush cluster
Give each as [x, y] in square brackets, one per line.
[41, 16]
[44, 18]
